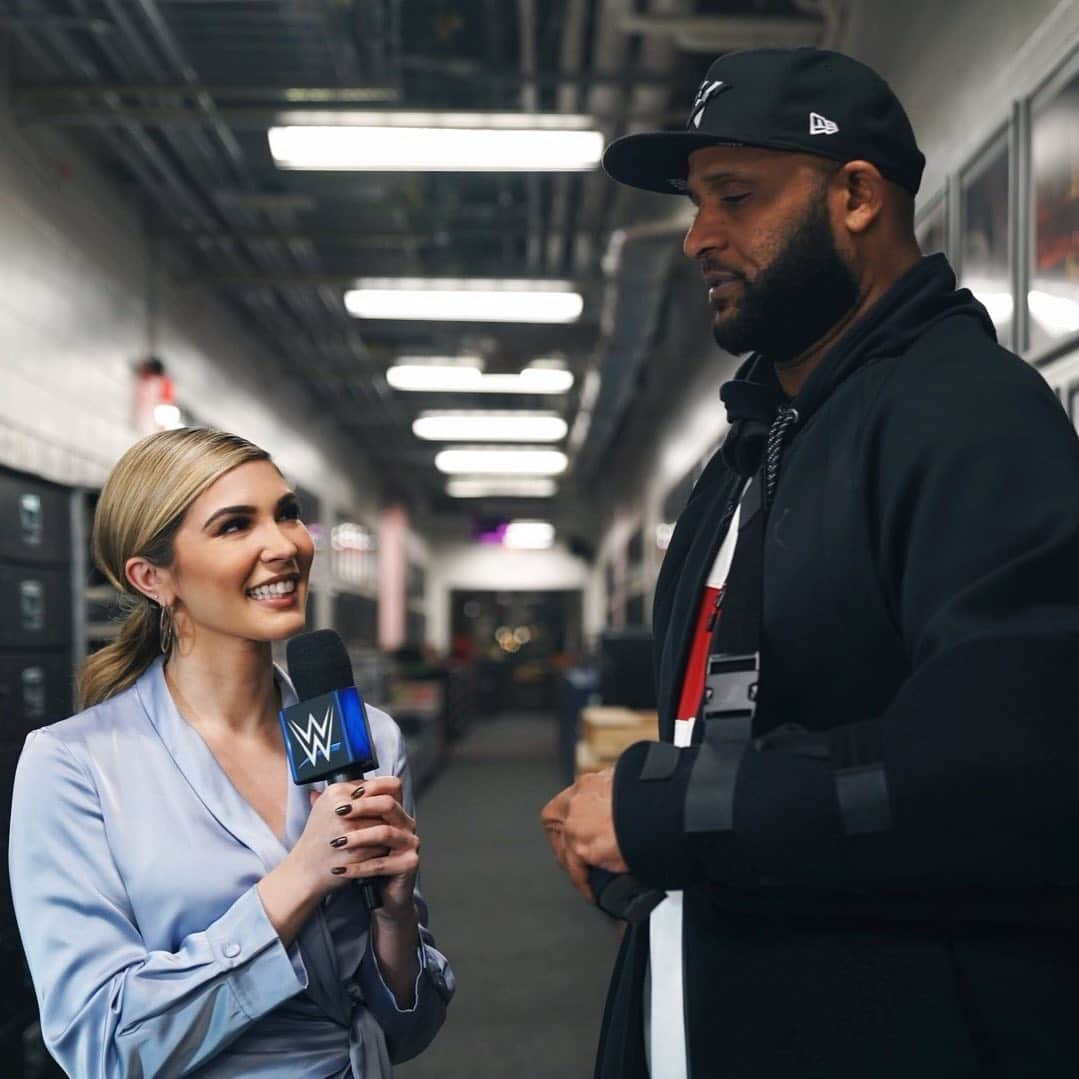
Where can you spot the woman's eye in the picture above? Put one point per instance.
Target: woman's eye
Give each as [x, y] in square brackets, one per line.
[291, 513]
[233, 524]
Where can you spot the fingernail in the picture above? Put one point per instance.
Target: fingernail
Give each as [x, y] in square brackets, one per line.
[337, 870]
[342, 810]
[357, 792]
[340, 841]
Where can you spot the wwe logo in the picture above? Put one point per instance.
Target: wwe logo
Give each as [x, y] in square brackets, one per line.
[708, 90]
[317, 738]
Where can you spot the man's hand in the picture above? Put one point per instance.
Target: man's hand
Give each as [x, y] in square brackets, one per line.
[580, 828]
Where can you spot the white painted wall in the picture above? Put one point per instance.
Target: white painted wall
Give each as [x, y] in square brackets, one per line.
[486, 568]
[74, 319]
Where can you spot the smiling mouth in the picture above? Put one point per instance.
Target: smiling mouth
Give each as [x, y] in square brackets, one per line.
[273, 591]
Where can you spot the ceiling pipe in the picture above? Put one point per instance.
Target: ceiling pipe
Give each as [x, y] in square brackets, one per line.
[526, 33]
[723, 33]
[571, 58]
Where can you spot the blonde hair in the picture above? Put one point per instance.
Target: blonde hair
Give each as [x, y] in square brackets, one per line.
[141, 508]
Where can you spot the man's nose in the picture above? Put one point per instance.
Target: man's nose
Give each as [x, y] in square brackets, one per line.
[705, 234]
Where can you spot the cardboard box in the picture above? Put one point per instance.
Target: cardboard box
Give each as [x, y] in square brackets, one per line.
[608, 731]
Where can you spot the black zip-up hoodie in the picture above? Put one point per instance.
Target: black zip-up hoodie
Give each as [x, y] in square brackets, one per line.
[921, 598]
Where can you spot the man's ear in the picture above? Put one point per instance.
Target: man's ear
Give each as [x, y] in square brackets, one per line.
[152, 581]
[864, 193]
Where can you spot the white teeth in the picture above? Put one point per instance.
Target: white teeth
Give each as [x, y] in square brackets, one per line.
[269, 591]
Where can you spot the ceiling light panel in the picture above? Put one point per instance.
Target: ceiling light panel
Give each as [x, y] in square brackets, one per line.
[496, 461]
[501, 487]
[465, 300]
[477, 121]
[453, 378]
[490, 427]
[402, 148]
[528, 535]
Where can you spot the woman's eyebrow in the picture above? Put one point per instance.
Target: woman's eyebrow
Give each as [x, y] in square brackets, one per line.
[224, 510]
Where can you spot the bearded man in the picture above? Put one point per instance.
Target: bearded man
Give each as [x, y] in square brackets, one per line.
[853, 853]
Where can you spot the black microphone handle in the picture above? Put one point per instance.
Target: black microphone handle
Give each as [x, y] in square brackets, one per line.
[372, 892]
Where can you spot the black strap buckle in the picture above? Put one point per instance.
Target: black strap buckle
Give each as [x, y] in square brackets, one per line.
[730, 695]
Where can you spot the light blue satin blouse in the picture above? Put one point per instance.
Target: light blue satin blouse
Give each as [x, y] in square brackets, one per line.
[134, 862]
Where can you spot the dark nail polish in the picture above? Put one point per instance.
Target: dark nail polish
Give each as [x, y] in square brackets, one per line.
[358, 792]
[340, 841]
[342, 810]
[338, 870]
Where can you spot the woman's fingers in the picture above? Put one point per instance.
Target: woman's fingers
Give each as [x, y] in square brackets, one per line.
[395, 864]
[375, 807]
[378, 839]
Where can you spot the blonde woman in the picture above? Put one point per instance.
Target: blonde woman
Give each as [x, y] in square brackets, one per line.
[184, 907]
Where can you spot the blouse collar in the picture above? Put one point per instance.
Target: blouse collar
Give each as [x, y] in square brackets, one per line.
[207, 778]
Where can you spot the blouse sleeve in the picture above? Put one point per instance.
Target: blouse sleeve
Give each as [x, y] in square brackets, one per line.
[111, 1008]
[409, 1031]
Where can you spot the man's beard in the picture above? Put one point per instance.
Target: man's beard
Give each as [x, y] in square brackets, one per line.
[793, 302]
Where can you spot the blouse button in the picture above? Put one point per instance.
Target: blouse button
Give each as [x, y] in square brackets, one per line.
[231, 950]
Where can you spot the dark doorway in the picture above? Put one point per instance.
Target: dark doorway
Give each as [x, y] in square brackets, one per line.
[519, 643]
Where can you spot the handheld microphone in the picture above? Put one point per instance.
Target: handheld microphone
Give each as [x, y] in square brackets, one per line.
[327, 734]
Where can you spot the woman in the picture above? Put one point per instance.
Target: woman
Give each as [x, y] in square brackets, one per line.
[184, 907]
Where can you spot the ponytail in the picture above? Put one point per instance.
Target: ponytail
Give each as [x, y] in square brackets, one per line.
[118, 665]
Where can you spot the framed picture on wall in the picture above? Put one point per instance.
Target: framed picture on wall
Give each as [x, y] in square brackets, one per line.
[932, 227]
[1073, 404]
[1053, 297]
[985, 233]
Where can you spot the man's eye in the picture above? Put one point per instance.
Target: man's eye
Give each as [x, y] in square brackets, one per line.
[733, 200]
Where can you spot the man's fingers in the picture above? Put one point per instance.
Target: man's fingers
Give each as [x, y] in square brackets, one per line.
[554, 812]
[577, 872]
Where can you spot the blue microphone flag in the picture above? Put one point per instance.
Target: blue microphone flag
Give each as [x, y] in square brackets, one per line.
[326, 735]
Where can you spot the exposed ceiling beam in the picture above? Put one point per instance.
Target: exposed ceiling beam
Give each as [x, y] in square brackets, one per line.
[722, 33]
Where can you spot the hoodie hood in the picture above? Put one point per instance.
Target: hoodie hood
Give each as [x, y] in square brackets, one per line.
[922, 297]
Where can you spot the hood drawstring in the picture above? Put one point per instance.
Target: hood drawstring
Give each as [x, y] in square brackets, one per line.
[785, 419]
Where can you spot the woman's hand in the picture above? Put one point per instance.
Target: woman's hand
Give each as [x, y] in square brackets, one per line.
[377, 838]
[342, 842]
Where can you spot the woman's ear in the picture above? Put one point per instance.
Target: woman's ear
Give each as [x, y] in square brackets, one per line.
[150, 580]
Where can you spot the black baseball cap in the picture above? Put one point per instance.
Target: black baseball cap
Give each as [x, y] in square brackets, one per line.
[808, 100]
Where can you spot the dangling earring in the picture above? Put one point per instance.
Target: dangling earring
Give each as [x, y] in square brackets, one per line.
[166, 629]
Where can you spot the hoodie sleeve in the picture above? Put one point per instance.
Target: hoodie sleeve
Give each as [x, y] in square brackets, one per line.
[972, 484]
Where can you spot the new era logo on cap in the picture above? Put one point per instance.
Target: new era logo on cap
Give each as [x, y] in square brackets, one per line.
[821, 125]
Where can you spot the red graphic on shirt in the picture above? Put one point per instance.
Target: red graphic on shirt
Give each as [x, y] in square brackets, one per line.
[697, 664]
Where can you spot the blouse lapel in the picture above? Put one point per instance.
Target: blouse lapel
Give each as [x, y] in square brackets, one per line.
[207, 779]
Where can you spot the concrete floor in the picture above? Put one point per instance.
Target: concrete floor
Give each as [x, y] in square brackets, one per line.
[531, 957]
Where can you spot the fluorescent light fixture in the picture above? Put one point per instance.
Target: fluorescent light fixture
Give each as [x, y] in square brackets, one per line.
[528, 535]
[490, 427]
[501, 487]
[496, 461]
[452, 378]
[464, 300]
[439, 142]
[505, 121]
[168, 417]
[1057, 315]
[996, 301]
